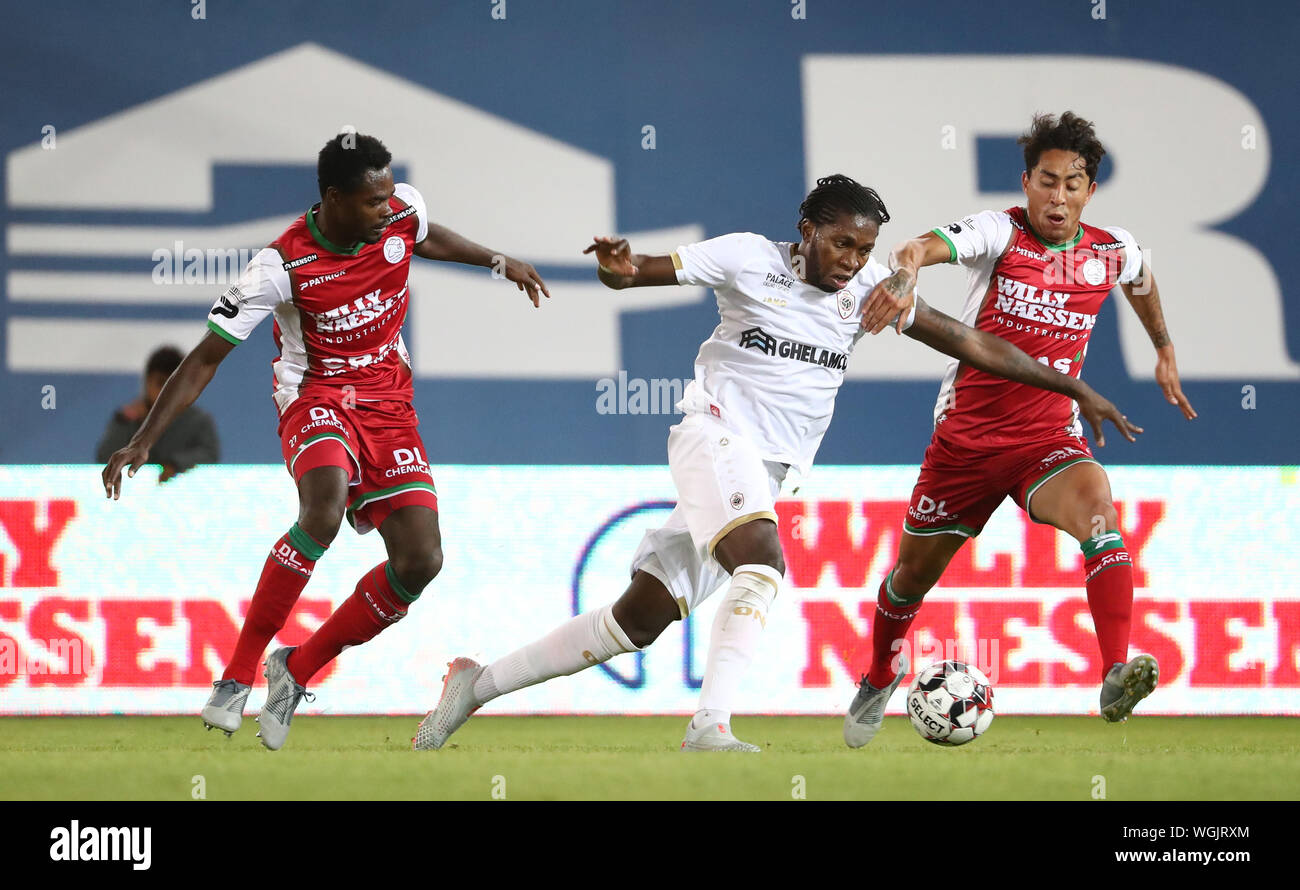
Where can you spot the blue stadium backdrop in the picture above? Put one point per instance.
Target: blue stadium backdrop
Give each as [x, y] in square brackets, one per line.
[148, 149]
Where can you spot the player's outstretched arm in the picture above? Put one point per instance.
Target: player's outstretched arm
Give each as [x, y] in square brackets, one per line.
[994, 355]
[178, 393]
[443, 244]
[892, 299]
[620, 268]
[1144, 297]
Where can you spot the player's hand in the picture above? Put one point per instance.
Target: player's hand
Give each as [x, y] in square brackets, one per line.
[890, 300]
[1097, 410]
[615, 254]
[527, 279]
[1167, 377]
[168, 471]
[132, 457]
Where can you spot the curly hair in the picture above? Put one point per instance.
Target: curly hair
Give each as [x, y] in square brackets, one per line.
[345, 166]
[839, 194]
[1070, 133]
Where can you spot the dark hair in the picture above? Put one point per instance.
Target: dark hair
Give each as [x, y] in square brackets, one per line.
[839, 194]
[1070, 133]
[345, 166]
[164, 360]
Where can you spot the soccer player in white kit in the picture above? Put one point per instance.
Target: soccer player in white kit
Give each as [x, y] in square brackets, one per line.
[762, 398]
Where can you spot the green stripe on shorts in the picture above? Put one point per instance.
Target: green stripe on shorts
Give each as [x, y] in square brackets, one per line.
[955, 529]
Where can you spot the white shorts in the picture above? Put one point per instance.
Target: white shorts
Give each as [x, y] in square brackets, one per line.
[722, 482]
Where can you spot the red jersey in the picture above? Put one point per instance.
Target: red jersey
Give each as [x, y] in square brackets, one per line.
[338, 310]
[1044, 299]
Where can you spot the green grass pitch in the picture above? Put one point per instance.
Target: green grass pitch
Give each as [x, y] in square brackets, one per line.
[622, 758]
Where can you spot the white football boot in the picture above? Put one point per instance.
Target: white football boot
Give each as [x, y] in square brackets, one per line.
[282, 696]
[1126, 685]
[867, 711]
[455, 705]
[225, 707]
[714, 737]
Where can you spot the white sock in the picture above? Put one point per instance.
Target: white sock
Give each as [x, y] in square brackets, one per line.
[736, 631]
[581, 642]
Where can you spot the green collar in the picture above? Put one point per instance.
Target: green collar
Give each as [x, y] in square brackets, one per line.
[325, 242]
[1064, 245]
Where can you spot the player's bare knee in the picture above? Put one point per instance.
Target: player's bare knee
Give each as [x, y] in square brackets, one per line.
[645, 610]
[321, 520]
[643, 624]
[777, 561]
[642, 635]
[911, 581]
[416, 567]
[753, 543]
[1102, 518]
[1090, 519]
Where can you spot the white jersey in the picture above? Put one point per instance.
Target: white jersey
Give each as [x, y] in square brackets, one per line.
[773, 365]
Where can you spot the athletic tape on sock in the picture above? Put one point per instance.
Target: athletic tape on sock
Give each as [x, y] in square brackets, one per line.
[611, 634]
[753, 587]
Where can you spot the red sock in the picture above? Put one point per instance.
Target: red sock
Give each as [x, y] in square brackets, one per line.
[893, 618]
[1108, 573]
[286, 573]
[378, 601]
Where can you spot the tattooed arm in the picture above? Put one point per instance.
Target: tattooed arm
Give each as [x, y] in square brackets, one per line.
[892, 299]
[994, 355]
[1144, 297]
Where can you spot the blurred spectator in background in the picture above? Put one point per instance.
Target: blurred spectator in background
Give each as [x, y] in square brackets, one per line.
[190, 440]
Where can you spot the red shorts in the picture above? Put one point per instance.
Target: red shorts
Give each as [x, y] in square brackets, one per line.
[959, 488]
[378, 444]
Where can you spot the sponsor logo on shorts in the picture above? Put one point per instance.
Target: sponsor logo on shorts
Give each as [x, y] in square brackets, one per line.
[320, 417]
[757, 338]
[1061, 454]
[737, 500]
[408, 460]
[929, 510]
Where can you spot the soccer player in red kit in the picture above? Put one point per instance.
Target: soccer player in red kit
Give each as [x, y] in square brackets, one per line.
[336, 283]
[1037, 277]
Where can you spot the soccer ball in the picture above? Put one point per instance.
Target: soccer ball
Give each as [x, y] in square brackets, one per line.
[950, 703]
